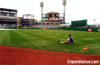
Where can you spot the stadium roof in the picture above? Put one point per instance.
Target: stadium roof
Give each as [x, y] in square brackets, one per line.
[14, 10]
[52, 12]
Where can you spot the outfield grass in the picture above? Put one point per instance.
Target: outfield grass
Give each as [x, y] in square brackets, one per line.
[47, 39]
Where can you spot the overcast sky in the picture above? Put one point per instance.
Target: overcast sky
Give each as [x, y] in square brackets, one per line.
[75, 9]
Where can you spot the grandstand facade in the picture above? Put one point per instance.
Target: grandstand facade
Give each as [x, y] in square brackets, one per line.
[8, 17]
[28, 20]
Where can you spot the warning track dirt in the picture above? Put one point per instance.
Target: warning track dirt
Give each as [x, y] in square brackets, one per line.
[25, 56]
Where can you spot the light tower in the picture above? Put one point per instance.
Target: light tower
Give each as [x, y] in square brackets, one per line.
[41, 5]
[64, 4]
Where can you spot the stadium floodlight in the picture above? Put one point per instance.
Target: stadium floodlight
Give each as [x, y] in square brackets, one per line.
[41, 5]
[64, 4]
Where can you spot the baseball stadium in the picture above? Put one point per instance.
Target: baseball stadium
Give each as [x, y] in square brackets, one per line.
[26, 41]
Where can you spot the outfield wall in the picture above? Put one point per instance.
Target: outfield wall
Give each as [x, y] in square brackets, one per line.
[79, 23]
[63, 28]
[80, 29]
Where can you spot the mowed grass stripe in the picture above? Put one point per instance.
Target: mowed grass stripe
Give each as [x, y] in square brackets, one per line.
[2, 35]
[91, 35]
[6, 38]
[39, 40]
[32, 40]
[56, 45]
[50, 45]
[47, 39]
[41, 35]
[17, 39]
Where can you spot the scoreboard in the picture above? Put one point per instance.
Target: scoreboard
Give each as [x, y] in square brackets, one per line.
[52, 17]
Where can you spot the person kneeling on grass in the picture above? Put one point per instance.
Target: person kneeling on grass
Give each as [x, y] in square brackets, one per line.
[68, 41]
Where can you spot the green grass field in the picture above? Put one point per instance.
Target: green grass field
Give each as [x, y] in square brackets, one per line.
[47, 40]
